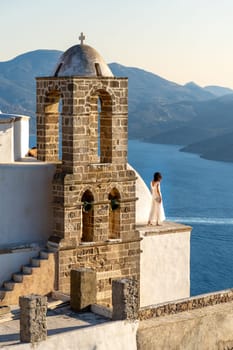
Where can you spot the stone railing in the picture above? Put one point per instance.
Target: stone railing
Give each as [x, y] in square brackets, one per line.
[188, 304]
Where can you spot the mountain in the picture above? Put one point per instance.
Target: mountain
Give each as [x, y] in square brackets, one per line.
[218, 90]
[209, 119]
[160, 111]
[156, 104]
[17, 81]
[157, 88]
[200, 93]
[215, 148]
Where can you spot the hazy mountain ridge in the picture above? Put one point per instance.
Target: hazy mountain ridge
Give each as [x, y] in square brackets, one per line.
[160, 111]
[218, 90]
[209, 120]
[215, 148]
[17, 81]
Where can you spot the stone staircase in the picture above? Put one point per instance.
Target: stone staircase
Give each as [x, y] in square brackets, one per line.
[38, 277]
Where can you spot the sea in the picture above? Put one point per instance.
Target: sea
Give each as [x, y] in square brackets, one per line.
[199, 193]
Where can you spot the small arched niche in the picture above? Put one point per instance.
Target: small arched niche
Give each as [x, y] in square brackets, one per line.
[87, 217]
[101, 126]
[114, 214]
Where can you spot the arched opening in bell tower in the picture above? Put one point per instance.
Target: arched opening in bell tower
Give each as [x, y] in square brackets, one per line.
[114, 214]
[87, 217]
[101, 127]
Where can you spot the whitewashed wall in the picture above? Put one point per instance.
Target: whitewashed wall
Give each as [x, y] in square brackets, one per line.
[6, 142]
[21, 137]
[25, 202]
[165, 267]
[118, 335]
[14, 137]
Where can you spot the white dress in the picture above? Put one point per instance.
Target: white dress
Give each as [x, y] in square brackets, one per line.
[157, 214]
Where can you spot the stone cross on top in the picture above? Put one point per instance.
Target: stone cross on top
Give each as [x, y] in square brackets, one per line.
[82, 38]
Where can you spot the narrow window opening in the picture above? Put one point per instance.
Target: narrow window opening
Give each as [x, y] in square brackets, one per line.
[98, 70]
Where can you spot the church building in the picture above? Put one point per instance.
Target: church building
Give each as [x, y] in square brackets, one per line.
[79, 204]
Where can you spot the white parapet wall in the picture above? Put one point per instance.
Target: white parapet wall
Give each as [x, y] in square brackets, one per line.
[165, 263]
[6, 141]
[118, 335]
[21, 137]
[14, 137]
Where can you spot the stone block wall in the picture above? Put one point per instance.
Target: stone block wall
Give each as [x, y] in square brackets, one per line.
[205, 328]
[186, 304]
[109, 260]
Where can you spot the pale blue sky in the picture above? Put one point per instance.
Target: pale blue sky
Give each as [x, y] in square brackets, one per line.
[180, 40]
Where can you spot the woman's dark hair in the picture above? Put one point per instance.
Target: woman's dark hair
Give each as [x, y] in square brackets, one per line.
[157, 176]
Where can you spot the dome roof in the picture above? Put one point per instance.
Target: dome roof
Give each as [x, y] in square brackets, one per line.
[82, 60]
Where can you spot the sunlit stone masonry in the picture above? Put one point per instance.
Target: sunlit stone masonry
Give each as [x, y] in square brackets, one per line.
[82, 118]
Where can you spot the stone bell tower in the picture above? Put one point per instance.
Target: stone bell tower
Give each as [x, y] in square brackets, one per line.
[82, 118]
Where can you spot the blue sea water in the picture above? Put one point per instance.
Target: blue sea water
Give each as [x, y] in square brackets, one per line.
[199, 193]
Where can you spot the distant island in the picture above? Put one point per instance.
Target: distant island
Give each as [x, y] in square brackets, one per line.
[160, 111]
[215, 148]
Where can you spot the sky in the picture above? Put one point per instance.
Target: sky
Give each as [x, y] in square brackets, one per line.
[179, 40]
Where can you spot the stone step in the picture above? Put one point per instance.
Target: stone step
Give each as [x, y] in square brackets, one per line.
[44, 254]
[25, 281]
[9, 285]
[27, 269]
[2, 293]
[35, 262]
[52, 247]
[18, 277]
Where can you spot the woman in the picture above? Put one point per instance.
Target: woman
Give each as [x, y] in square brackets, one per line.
[156, 212]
